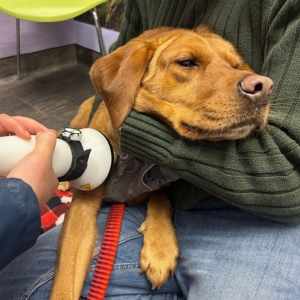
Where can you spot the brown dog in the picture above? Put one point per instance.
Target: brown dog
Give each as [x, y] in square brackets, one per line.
[196, 83]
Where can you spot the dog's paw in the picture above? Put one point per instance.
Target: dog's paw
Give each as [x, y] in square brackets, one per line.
[64, 186]
[159, 255]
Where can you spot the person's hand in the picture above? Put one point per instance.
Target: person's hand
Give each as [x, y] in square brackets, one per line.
[21, 126]
[36, 167]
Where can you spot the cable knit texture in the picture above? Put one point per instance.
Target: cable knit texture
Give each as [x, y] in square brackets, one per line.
[260, 174]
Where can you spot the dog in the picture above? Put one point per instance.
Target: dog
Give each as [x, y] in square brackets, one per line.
[196, 83]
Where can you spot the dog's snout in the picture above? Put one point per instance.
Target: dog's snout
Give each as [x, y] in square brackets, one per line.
[256, 88]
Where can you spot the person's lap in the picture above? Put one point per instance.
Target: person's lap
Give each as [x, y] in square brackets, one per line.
[232, 255]
[30, 275]
[225, 253]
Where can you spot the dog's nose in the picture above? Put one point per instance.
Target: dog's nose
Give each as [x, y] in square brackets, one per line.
[256, 88]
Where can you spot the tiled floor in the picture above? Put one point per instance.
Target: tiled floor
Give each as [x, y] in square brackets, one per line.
[51, 98]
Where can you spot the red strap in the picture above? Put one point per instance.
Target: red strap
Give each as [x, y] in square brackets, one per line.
[107, 252]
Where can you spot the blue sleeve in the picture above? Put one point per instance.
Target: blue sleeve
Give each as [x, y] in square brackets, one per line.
[20, 219]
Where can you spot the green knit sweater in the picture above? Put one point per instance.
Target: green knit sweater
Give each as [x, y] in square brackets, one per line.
[260, 174]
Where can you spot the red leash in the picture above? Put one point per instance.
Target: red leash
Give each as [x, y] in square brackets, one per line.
[107, 252]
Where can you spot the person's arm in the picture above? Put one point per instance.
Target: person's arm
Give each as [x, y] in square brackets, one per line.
[20, 223]
[28, 185]
[260, 173]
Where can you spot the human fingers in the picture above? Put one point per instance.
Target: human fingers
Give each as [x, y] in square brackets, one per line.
[9, 125]
[20, 126]
[45, 142]
[32, 126]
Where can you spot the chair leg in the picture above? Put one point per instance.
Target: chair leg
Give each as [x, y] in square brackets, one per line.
[18, 47]
[98, 28]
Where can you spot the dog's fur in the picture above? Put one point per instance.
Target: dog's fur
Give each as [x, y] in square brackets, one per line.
[187, 78]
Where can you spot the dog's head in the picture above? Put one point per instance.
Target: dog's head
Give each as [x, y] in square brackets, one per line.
[193, 80]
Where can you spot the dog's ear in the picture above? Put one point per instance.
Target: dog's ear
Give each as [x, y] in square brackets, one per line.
[117, 77]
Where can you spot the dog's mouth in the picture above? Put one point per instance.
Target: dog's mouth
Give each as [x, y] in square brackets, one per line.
[236, 130]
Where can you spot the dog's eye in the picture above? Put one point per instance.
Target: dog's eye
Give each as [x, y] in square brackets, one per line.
[188, 63]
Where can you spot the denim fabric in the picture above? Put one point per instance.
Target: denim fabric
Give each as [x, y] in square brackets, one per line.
[225, 253]
[19, 219]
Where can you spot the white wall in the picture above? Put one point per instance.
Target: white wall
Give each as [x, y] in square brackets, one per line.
[86, 36]
[41, 36]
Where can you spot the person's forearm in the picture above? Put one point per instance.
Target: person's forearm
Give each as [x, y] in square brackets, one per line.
[20, 219]
[256, 174]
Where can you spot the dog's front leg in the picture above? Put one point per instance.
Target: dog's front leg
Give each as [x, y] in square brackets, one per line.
[159, 255]
[77, 244]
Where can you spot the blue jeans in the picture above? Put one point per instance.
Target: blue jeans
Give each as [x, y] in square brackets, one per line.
[225, 253]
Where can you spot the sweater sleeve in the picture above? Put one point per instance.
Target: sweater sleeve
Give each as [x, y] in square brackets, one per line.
[20, 219]
[259, 174]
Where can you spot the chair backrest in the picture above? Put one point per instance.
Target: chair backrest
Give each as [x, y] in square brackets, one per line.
[47, 10]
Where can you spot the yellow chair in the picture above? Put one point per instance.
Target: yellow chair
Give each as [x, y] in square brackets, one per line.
[50, 11]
